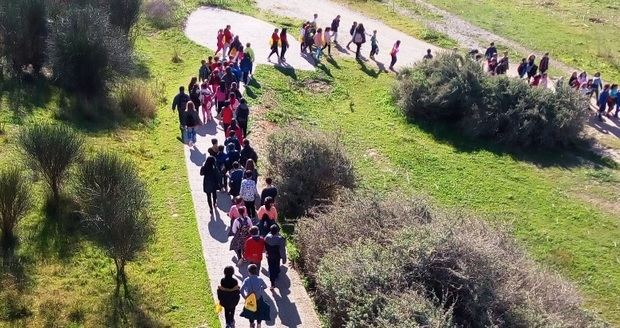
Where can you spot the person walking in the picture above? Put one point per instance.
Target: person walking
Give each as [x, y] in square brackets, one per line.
[359, 38]
[203, 71]
[240, 231]
[253, 291]
[597, 84]
[334, 28]
[319, 42]
[543, 66]
[220, 41]
[602, 101]
[283, 43]
[275, 247]
[192, 121]
[327, 37]
[248, 192]
[228, 38]
[179, 103]
[428, 55]
[206, 102]
[235, 176]
[491, 50]
[246, 68]
[228, 295]
[275, 39]
[268, 216]
[522, 69]
[374, 45]
[247, 153]
[352, 32]
[210, 182]
[242, 115]
[394, 54]
[254, 247]
[227, 116]
[269, 191]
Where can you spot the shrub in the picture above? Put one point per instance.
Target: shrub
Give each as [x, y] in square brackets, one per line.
[51, 150]
[23, 31]
[160, 13]
[15, 202]
[124, 13]
[87, 52]
[137, 100]
[309, 168]
[414, 264]
[115, 205]
[455, 90]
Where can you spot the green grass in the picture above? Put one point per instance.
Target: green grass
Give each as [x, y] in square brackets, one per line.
[538, 194]
[69, 281]
[562, 27]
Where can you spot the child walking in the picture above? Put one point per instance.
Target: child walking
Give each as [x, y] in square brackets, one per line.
[228, 294]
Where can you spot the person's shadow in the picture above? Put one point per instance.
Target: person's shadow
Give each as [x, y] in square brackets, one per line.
[287, 310]
[196, 156]
[218, 228]
[209, 128]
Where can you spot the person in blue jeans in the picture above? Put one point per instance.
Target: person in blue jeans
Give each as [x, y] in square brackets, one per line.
[255, 285]
[602, 101]
[192, 121]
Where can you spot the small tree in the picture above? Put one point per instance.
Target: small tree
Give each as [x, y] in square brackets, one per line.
[115, 202]
[23, 31]
[15, 202]
[87, 53]
[51, 150]
[124, 13]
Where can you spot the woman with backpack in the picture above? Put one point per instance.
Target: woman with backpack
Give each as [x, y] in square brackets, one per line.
[211, 181]
[228, 295]
[240, 231]
[253, 288]
[192, 121]
[359, 38]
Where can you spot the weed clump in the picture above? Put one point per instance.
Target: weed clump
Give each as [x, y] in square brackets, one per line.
[160, 13]
[455, 90]
[137, 100]
[309, 168]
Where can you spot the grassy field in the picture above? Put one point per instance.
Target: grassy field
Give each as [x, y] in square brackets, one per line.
[576, 32]
[67, 280]
[560, 205]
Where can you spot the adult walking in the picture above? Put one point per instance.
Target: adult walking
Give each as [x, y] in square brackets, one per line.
[334, 28]
[275, 247]
[394, 54]
[211, 181]
[275, 39]
[248, 192]
[228, 295]
[374, 45]
[179, 103]
[253, 288]
[192, 121]
[543, 66]
[283, 43]
[359, 38]
[352, 32]
[240, 231]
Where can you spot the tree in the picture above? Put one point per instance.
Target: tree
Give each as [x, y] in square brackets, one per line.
[124, 13]
[51, 150]
[15, 202]
[23, 31]
[86, 52]
[115, 203]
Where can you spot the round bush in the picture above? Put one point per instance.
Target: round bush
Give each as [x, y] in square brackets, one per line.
[309, 168]
[160, 13]
[137, 100]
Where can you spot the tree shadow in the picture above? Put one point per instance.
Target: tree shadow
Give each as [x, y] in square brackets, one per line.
[23, 95]
[131, 310]
[14, 281]
[288, 71]
[543, 158]
[57, 234]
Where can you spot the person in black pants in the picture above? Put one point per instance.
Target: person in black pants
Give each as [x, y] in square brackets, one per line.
[242, 115]
[211, 181]
[179, 103]
[275, 247]
[283, 44]
[228, 295]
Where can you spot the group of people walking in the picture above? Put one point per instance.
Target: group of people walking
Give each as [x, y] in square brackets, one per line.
[231, 169]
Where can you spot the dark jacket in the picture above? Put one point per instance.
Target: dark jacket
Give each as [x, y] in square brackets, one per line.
[234, 141]
[228, 292]
[544, 64]
[234, 181]
[335, 25]
[275, 247]
[191, 118]
[248, 153]
[233, 156]
[268, 192]
[246, 64]
[180, 101]
[211, 180]
[243, 112]
[203, 72]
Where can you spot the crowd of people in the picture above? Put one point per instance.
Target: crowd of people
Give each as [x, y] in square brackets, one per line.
[231, 168]
[605, 95]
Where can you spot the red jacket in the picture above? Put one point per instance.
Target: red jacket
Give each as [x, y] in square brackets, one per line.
[227, 115]
[253, 249]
